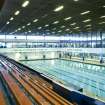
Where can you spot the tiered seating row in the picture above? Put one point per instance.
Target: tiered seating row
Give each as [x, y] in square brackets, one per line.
[35, 87]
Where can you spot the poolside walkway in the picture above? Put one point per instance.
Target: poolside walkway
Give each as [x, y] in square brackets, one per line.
[86, 61]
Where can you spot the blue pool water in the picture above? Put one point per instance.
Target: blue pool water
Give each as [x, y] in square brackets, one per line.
[89, 77]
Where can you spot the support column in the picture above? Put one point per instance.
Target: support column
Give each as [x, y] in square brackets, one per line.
[91, 39]
[101, 42]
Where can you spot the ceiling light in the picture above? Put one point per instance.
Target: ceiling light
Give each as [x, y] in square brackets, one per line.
[29, 31]
[67, 30]
[19, 29]
[46, 25]
[15, 30]
[76, 0]
[104, 6]
[62, 26]
[11, 18]
[68, 18]
[73, 24]
[89, 25]
[44, 16]
[56, 22]
[86, 12]
[88, 20]
[76, 28]
[88, 28]
[59, 8]
[102, 16]
[17, 13]
[53, 32]
[54, 29]
[60, 31]
[28, 24]
[102, 23]
[26, 3]
[35, 20]
[39, 28]
[47, 30]
[8, 22]
[23, 26]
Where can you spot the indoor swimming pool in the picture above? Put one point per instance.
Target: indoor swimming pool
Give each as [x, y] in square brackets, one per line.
[89, 77]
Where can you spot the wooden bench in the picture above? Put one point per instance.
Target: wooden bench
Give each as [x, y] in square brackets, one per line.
[46, 89]
[55, 99]
[45, 92]
[41, 81]
[40, 99]
[2, 99]
[17, 93]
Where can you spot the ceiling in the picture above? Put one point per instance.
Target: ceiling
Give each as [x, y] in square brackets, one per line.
[68, 20]
[1, 3]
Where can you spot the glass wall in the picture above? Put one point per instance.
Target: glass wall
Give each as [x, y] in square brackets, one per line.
[82, 40]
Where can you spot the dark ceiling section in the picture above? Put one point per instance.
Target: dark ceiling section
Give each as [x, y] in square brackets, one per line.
[1, 3]
[43, 10]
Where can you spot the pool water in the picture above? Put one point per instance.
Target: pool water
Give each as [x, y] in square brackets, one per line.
[89, 77]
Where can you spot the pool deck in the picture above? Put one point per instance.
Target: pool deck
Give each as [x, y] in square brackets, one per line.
[86, 61]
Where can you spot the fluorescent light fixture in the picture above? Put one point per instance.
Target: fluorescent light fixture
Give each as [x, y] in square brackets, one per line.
[54, 29]
[89, 25]
[68, 18]
[53, 32]
[76, 28]
[88, 28]
[73, 24]
[28, 24]
[11, 18]
[46, 25]
[88, 20]
[86, 12]
[47, 30]
[23, 26]
[56, 22]
[35, 20]
[60, 31]
[25, 4]
[76, 0]
[59, 8]
[15, 30]
[19, 29]
[102, 16]
[8, 22]
[39, 28]
[17, 13]
[102, 23]
[29, 31]
[62, 26]
[67, 30]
